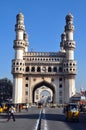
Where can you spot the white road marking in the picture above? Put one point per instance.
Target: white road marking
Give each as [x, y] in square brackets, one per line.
[45, 122]
[38, 120]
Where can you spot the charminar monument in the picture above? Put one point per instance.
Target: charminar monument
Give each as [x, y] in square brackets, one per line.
[38, 72]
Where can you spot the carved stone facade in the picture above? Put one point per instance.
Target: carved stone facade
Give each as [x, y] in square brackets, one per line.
[54, 70]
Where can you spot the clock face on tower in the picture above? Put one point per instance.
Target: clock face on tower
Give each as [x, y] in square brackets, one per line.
[43, 69]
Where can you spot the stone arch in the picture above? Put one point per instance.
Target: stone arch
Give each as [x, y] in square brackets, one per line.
[47, 84]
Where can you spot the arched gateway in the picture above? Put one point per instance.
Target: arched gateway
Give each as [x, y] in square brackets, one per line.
[37, 72]
[43, 86]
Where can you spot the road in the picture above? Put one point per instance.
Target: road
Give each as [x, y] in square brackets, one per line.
[54, 119]
[24, 120]
[51, 119]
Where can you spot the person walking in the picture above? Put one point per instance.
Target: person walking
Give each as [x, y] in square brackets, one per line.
[11, 113]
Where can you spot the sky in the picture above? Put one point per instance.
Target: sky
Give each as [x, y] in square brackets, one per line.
[44, 23]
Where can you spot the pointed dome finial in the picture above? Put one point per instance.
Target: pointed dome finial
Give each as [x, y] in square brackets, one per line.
[20, 14]
[69, 17]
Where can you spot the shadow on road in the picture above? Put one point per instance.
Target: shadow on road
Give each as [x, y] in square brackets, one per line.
[28, 116]
[54, 117]
[61, 118]
[19, 116]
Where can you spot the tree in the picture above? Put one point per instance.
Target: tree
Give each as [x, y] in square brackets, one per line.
[6, 87]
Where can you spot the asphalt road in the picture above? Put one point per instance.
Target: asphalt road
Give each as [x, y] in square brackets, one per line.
[51, 119]
[24, 120]
[54, 119]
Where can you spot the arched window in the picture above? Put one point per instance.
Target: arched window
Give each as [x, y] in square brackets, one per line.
[16, 68]
[55, 69]
[26, 85]
[60, 69]
[27, 69]
[60, 85]
[17, 63]
[49, 69]
[70, 64]
[38, 69]
[33, 69]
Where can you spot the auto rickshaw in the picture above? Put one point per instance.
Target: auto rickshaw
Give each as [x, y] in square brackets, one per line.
[72, 112]
[1, 109]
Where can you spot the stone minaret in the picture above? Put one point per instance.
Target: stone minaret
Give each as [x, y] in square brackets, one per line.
[63, 39]
[69, 64]
[70, 43]
[18, 64]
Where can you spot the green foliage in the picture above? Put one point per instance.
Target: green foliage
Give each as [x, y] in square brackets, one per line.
[6, 87]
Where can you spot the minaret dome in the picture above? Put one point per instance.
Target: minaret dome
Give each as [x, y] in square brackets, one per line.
[20, 15]
[20, 18]
[69, 17]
